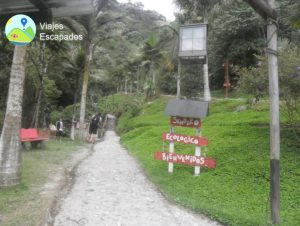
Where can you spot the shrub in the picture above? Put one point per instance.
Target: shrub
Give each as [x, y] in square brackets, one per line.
[254, 80]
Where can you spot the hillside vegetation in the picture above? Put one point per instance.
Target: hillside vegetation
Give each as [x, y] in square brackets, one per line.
[237, 191]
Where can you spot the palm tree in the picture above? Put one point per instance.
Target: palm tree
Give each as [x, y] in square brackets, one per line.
[87, 26]
[153, 56]
[10, 153]
[73, 66]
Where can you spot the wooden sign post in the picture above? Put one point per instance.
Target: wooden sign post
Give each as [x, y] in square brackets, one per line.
[171, 150]
[197, 153]
[180, 116]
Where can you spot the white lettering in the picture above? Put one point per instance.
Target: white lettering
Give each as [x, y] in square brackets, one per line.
[51, 27]
[194, 158]
[168, 137]
[164, 156]
[42, 36]
[42, 26]
[202, 160]
[180, 157]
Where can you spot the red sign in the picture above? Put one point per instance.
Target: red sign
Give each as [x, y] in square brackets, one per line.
[185, 139]
[185, 159]
[186, 122]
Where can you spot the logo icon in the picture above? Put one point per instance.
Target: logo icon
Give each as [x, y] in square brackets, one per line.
[20, 30]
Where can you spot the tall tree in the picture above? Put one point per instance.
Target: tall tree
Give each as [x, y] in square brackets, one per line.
[10, 153]
[153, 56]
[236, 33]
[85, 25]
[295, 14]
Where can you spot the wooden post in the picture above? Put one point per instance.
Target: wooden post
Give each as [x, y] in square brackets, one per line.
[267, 10]
[171, 150]
[137, 79]
[226, 78]
[197, 153]
[207, 96]
[178, 79]
[274, 115]
[126, 89]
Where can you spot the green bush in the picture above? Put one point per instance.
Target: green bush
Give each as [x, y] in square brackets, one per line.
[121, 103]
[254, 80]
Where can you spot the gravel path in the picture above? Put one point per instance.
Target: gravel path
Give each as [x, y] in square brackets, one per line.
[110, 189]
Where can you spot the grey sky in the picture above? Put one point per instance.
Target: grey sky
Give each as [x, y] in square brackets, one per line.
[164, 7]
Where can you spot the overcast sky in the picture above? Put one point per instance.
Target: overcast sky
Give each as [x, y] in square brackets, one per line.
[164, 7]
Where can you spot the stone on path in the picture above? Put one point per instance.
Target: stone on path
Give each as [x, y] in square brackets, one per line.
[110, 189]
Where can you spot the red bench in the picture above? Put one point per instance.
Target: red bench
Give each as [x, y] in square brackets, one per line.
[34, 136]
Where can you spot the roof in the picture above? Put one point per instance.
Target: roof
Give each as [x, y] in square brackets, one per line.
[45, 10]
[187, 108]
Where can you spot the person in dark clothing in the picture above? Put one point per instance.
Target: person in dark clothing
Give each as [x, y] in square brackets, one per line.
[93, 128]
[59, 128]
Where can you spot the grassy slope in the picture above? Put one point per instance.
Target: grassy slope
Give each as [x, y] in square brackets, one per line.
[236, 192]
[24, 205]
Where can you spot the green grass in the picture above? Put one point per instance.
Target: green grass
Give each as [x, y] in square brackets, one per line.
[237, 191]
[24, 205]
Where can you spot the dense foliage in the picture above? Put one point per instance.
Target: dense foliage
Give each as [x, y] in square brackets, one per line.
[136, 51]
[254, 80]
[55, 70]
[236, 32]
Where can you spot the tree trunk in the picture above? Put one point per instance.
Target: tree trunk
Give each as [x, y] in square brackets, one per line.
[86, 75]
[41, 68]
[126, 82]
[178, 79]
[74, 120]
[138, 80]
[10, 153]
[207, 96]
[153, 77]
[72, 133]
[43, 71]
[35, 123]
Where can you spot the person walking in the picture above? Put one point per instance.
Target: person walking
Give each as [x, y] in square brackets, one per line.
[93, 128]
[59, 128]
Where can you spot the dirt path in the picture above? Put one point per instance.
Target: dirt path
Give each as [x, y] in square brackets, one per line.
[110, 189]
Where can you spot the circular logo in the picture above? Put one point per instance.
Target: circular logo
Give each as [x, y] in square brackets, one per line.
[20, 30]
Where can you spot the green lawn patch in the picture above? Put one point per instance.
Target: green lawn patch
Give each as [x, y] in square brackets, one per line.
[237, 191]
[24, 205]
